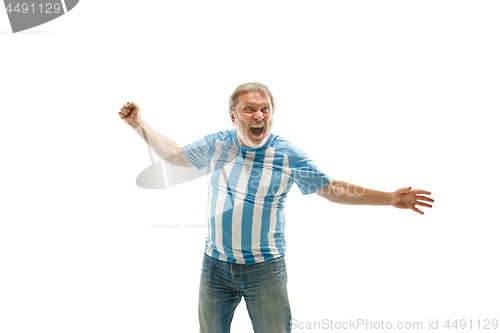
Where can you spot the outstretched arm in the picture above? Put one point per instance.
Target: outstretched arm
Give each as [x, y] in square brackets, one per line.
[163, 147]
[350, 194]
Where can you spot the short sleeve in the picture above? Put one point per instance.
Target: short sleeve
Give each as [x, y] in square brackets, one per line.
[198, 152]
[308, 177]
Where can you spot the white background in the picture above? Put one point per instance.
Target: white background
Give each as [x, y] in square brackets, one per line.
[384, 94]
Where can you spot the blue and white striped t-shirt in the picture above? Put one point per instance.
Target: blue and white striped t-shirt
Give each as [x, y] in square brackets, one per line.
[247, 188]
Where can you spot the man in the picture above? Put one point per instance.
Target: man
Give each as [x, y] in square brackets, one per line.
[249, 174]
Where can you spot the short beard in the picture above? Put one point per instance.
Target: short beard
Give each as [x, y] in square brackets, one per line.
[248, 140]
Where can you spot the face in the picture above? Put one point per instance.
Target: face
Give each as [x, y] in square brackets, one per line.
[253, 119]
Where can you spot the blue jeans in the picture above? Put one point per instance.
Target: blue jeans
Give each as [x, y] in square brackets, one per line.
[263, 285]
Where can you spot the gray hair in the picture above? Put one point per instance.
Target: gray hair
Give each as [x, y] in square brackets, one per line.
[246, 87]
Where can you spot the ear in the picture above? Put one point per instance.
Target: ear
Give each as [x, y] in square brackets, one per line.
[232, 116]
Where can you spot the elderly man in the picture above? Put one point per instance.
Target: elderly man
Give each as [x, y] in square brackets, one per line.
[249, 174]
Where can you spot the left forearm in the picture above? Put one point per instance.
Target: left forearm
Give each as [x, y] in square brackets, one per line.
[350, 194]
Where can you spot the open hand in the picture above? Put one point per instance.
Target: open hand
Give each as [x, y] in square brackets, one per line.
[408, 198]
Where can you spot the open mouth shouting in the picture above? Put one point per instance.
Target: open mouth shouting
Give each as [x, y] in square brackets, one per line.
[257, 130]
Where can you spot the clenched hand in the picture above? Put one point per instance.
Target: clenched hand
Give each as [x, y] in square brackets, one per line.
[130, 113]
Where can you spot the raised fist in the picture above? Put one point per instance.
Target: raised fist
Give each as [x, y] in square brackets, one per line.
[130, 113]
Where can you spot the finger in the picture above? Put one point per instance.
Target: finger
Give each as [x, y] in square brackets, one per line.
[421, 192]
[125, 112]
[405, 190]
[127, 108]
[417, 210]
[420, 197]
[121, 115]
[423, 204]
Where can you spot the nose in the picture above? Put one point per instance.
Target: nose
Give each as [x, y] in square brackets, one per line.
[258, 115]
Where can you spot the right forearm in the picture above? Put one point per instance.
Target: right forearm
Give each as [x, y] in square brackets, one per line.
[163, 147]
